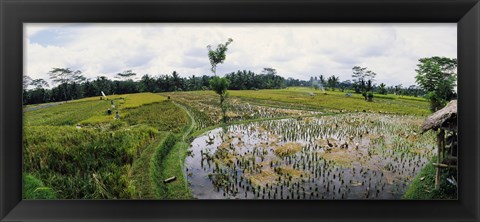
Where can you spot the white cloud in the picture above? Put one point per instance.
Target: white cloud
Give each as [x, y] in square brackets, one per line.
[295, 50]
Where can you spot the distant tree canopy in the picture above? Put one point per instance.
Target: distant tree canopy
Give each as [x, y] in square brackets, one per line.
[241, 80]
[69, 84]
[64, 77]
[382, 88]
[26, 81]
[126, 74]
[438, 77]
[332, 82]
[363, 79]
[39, 83]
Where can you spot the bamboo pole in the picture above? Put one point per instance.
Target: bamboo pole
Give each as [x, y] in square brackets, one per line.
[441, 146]
[441, 165]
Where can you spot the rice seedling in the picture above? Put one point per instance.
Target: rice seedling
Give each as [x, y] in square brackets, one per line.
[291, 156]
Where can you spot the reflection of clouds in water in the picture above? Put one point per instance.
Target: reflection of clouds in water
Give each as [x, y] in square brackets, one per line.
[240, 161]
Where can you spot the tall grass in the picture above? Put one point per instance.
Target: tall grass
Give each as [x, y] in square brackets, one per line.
[171, 119]
[35, 189]
[423, 185]
[157, 163]
[142, 179]
[78, 163]
[140, 99]
[93, 160]
[337, 100]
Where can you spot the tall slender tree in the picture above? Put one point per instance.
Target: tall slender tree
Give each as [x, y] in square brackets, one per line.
[217, 56]
[332, 82]
[217, 84]
[363, 80]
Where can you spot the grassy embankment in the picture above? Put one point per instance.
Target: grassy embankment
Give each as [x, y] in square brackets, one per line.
[423, 186]
[78, 151]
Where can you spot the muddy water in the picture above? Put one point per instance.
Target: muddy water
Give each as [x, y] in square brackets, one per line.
[361, 156]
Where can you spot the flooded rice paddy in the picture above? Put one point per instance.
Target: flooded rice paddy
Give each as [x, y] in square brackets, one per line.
[348, 156]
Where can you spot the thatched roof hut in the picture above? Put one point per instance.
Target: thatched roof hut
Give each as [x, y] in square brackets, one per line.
[445, 118]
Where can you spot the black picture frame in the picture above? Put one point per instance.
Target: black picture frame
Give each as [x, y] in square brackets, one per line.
[13, 13]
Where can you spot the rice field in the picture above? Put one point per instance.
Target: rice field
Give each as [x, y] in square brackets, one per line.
[296, 101]
[205, 106]
[77, 150]
[347, 156]
[294, 143]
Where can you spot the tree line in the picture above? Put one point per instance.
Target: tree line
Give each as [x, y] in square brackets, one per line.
[436, 78]
[71, 85]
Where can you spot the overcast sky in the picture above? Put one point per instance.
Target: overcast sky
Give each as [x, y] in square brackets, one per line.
[294, 50]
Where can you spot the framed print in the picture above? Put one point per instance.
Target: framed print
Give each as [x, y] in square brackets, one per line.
[266, 110]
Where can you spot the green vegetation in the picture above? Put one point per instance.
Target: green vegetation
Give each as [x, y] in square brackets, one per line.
[81, 160]
[217, 56]
[335, 101]
[423, 186]
[35, 189]
[80, 163]
[157, 169]
[294, 101]
[80, 152]
[149, 114]
[363, 80]
[66, 113]
[437, 76]
[140, 99]
[142, 178]
[219, 86]
[173, 166]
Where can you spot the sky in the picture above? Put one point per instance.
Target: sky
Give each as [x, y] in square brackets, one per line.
[295, 50]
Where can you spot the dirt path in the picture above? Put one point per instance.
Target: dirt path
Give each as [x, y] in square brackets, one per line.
[192, 122]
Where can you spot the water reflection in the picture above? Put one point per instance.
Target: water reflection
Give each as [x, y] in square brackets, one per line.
[351, 156]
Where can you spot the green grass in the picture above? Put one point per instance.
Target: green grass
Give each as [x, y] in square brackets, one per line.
[335, 100]
[173, 166]
[97, 159]
[89, 111]
[78, 163]
[172, 118]
[140, 99]
[33, 188]
[255, 104]
[425, 189]
[157, 169]
[142, 179]
[165, 157]
[130, 157]
[65, 113]
[171, 163]
[202, 120]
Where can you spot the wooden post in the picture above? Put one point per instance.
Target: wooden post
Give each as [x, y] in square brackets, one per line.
[440, 150]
